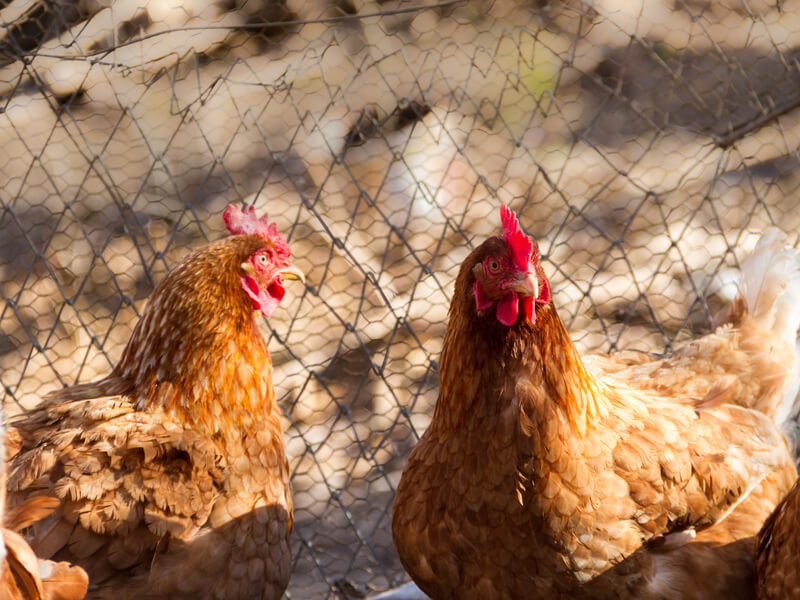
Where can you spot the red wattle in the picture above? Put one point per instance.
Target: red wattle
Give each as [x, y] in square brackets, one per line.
[250, 285]
[527, 309]
[508, 309]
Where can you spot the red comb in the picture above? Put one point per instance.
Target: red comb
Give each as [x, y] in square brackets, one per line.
[245, 222]
[520, 244]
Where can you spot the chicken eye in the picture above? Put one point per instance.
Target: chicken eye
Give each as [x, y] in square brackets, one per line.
[494, 266]
[263, 258]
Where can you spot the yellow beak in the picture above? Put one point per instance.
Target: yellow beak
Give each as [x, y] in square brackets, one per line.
[292, 272]
[527, 284]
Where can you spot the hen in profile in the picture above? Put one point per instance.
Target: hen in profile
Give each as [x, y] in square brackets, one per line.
[544, 474]
[171, 472]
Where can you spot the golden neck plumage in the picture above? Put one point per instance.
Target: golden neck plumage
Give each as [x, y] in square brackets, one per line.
[578, 391]
[197, 352]
[481, 357]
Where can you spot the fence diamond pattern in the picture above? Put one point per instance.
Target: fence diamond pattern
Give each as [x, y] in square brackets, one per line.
[645, 145]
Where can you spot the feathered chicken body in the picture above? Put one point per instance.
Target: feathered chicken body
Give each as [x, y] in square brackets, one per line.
[171, 471]
[543, 475]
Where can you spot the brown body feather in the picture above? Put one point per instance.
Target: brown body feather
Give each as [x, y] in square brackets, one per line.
[544, 476]
[171, 472]
[23, 576]
[777, 569]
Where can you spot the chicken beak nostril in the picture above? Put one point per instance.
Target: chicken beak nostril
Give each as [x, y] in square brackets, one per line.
[527, 284]
[292, 272]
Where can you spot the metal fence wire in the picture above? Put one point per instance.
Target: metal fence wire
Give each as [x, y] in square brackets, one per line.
[644, 143]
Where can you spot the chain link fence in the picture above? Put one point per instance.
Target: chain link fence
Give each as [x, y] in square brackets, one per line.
[645, 145]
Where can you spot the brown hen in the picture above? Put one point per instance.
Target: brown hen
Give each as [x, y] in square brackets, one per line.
[171, 472]
[777, 568]
[544, 475]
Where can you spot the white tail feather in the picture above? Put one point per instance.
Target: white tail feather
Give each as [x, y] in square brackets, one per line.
[770, 287]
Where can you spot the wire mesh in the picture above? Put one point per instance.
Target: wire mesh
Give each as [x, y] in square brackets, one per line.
[644, 144]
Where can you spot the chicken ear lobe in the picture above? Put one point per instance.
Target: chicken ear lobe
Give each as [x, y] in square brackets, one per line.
[481, 300]
[544, 294]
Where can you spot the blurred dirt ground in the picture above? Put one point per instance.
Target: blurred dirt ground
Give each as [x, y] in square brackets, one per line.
[646, 145]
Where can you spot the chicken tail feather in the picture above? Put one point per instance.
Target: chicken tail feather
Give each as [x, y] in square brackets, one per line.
[770, 289]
